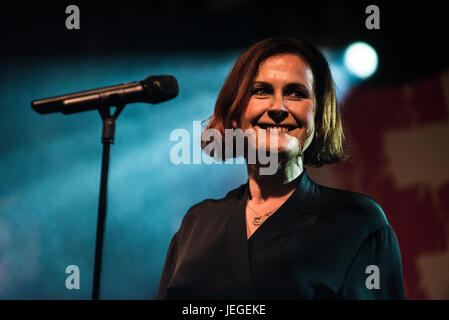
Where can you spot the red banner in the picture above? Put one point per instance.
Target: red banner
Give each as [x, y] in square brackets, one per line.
[398, 142]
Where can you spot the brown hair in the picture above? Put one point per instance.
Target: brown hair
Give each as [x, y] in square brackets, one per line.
[327, 143]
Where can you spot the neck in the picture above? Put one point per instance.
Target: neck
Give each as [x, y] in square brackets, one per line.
[279, 185]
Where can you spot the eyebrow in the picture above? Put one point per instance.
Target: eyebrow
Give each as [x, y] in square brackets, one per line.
[289, 86]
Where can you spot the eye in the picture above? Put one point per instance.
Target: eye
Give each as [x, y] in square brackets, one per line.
[260, 91]
[297, 94]
[296, 91]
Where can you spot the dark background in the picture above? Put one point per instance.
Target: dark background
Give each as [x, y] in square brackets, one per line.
[411, 37]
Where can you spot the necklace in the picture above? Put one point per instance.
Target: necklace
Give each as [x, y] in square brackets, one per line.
[257, 221]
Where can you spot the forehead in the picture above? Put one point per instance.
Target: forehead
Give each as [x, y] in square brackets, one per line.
[285, 67]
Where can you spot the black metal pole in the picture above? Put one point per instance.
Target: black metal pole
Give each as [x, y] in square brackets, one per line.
[107, 140]
[101, 220]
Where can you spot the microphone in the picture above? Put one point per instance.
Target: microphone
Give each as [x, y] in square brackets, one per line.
[154, 89]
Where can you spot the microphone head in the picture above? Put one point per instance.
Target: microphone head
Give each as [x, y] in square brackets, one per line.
[160, 88]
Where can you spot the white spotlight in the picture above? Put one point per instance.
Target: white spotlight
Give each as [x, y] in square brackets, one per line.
[361, 59]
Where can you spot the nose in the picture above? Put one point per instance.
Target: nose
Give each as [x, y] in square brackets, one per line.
[278, 115]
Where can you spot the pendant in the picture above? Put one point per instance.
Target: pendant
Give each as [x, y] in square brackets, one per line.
[257, 221]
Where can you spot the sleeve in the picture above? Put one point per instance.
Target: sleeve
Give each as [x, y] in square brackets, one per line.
[169, 266]
[375, 272]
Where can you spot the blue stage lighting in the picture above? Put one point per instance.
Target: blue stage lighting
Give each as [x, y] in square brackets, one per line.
[361, 59]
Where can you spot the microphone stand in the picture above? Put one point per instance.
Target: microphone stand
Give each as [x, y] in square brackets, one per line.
[107, 139]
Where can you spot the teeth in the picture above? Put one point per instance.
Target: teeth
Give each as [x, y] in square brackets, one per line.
[281, 128]
[277, 128]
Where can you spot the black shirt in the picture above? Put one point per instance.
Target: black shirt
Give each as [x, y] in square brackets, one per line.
[322, 243]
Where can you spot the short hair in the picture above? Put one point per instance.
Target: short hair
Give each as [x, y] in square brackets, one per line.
[327, 144]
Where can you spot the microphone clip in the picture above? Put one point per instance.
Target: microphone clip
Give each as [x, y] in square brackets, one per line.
[109, 122]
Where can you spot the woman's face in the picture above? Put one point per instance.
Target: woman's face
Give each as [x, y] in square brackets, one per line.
[282, 102]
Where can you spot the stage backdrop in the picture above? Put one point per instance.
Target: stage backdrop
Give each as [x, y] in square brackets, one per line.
[398, 139]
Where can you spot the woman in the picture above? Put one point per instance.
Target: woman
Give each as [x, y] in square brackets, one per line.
[282, 236]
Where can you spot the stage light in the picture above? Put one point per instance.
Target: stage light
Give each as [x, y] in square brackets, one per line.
[361, 59]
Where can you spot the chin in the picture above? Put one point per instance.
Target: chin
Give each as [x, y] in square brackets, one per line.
[283, 144]
[283, 151]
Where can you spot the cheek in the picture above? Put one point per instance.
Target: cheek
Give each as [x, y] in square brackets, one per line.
[305, 113]
[309, 110]
[252, 111]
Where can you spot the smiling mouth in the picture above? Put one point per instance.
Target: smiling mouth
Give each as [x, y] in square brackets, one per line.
[278, 127]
